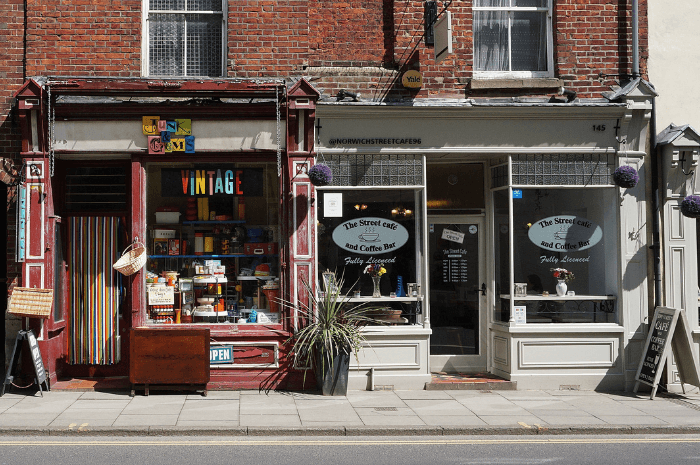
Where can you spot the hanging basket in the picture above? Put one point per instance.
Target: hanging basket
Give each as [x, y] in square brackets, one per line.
[320, 175]
[625, 176]
[690, 206]
[132, 260]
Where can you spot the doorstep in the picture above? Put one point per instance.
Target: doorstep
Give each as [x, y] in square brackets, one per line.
[115, 383]
[469, 381]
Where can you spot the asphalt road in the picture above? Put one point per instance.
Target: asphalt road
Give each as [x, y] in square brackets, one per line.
[419, 450]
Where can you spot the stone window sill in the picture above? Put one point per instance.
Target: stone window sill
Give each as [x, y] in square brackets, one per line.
[516, 83]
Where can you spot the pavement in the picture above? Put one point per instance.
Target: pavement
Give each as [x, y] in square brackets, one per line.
[385, 413]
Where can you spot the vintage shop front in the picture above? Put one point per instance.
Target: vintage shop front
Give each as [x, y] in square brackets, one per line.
[195, 171]
[462, 200]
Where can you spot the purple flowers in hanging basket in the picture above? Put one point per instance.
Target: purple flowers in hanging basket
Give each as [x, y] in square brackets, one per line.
[625, 176]
[320, 175]
[690, 206]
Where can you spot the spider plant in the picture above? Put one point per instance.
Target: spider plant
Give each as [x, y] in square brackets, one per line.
[332, 325]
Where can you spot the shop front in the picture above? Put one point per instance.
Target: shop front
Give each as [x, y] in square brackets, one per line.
[191, 180]
[507, 247]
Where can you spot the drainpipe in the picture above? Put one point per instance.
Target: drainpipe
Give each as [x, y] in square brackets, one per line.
[656, 210]
[635, 39]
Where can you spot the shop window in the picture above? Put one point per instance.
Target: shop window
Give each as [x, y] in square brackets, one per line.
[455, 188]
[365, 227]
[553, 230]
[513, 38]
[184, 38]
[213, 243]
[376, 170]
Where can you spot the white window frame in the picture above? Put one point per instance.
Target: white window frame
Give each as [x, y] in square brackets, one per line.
[145, 49]
[550, 44]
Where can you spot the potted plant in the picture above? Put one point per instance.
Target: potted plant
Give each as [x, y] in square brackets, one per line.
[331, 333]
[320, 174]
[690, 206]
[625, 176]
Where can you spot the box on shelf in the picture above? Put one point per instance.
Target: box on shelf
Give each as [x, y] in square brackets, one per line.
[212, 263]
[160, 246]
[164, 233]
[173, 247]
[218, 269]
[260, 248]
[199, 269]
[168, 215]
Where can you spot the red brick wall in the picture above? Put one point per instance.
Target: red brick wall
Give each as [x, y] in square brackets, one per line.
[84, 38]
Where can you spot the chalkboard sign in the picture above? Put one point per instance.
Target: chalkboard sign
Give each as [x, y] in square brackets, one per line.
[37, 361]
[669, 331]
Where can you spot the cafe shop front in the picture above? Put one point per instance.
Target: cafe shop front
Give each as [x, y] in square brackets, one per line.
[505, 244]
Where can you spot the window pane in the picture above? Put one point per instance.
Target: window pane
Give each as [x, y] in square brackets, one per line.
[166, 44]
[493, 3]
[203, 45]
[572, 229]
[204, 5]
[491, 41]
[530, 3]
[166, 5]
[501, 259]
[529, 37]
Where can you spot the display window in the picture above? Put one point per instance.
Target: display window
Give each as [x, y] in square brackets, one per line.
[372, 238]
[564, 255]
[213, 234]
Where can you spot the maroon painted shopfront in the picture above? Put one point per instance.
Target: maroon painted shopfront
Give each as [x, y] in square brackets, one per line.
[210, 176]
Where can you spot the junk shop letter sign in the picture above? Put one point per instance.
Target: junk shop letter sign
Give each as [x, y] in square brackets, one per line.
[669, 331]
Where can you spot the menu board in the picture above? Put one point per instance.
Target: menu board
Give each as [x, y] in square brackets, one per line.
[455, 266]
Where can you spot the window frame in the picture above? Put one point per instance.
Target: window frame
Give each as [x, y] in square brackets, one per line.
[145, 44]
[517, 74]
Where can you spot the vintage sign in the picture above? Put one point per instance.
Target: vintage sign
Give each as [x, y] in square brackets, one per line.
[211, 180]
[565, 233]
[160, 135]
[370, 235]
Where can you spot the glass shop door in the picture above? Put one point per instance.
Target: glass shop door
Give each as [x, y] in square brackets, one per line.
[457, 294]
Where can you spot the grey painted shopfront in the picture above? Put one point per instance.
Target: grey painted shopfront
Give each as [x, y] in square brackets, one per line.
[492, 193]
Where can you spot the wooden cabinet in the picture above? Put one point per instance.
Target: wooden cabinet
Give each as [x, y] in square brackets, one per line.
[169, 358]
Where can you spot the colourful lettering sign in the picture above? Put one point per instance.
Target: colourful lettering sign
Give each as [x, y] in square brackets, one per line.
[150, 125]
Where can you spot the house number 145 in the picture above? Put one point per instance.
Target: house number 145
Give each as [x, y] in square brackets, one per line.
[599, 127]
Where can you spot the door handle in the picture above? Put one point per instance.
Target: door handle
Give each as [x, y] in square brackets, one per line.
[483, 288]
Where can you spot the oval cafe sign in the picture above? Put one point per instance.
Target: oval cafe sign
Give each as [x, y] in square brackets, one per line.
[565, 233]
[370, 235]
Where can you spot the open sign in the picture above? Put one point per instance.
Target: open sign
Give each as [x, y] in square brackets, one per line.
[220, 354]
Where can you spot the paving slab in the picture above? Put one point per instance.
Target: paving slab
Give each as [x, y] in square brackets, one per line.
[360, 399]
[146, 420]
[526, 395]
[632, 420]
[89, 404]
[68, 422]
[105, 395]
[211, 410]
[570, 420]
[492, 406]
[438, 407]
[270, 420]
[404, 420]
[423, 395]
[268, 405]
[154, 406]
[23, 419]
[310, 411]
[452, 420]
[208, 424]
[521, 421]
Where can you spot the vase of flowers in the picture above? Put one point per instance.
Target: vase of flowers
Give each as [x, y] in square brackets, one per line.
[376, 271]
[563, 277]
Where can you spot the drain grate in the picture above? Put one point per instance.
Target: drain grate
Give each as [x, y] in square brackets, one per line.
[386, 409]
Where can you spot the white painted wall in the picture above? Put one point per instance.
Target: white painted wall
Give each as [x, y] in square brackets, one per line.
[674, 60]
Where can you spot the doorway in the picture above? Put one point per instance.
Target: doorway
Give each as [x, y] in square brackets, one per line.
[456, 247]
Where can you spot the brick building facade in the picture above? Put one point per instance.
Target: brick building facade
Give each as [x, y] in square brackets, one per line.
[366, 49]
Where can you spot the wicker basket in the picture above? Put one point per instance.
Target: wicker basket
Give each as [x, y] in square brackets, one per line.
[31, 302]
[132, 260]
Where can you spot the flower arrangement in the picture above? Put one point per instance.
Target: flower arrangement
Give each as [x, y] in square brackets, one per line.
[375, 269]
[690, 206]
[625, 176]
[562, 273]
[320, 174]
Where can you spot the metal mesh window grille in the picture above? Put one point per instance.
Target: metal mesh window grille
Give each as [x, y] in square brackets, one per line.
[376, 170]
[183, 43]
[94, 189]
[563, 169]
[499, 176]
